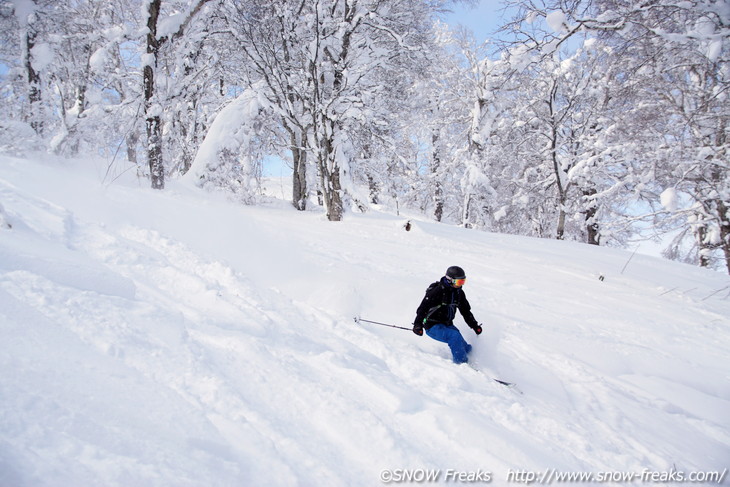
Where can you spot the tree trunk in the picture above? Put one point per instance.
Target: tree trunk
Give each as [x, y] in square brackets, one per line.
[131, 142]
[70, 143]
[153, 123]
[560, 233]
[373, 186]
[724, 232]
[374, 191]
[299, 174]
[330, 177]
[297, 146]
[704, 249]
[466, 213]
[34, 81]
[719, 179]
[438, 195]
[591, 225]
[333, 202]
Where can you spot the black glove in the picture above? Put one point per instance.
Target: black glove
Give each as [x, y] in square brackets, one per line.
[418, 329]
[477, 329]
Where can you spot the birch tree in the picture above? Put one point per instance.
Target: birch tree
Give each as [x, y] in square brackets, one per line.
[683, 50]
[674, 58]
[320, 62]
[153, 106]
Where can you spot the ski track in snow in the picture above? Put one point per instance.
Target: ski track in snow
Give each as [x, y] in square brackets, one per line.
[176, 339]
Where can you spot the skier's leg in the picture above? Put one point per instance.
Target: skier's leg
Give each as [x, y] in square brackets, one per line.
[459, 348]
[451, 336]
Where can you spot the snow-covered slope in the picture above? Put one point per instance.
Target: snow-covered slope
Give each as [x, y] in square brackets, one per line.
[175, 339]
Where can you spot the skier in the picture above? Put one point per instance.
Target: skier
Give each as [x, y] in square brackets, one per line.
[437, 311]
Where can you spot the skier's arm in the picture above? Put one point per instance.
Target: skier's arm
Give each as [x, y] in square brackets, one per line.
[430, 300]
[465, 310]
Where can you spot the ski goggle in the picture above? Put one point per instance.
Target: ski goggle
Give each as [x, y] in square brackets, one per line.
[458, 282]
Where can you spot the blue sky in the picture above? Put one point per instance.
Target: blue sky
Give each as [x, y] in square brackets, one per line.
[481, 19]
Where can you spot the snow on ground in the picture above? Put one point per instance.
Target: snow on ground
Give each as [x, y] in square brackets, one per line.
[176, 339]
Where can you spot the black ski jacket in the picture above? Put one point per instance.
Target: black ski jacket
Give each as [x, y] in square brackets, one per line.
[439, 305]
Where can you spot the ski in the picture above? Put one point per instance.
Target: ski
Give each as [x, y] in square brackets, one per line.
[509, 385]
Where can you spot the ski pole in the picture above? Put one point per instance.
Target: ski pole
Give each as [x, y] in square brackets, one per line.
[358, 320]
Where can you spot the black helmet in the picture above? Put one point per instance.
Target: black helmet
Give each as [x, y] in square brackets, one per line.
[455, 272]
[456, 276]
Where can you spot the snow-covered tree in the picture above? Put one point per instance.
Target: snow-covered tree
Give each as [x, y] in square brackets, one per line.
[663, 120]
[160, 31]
[227, 157]
[445, 99]
[27, 54]
[98, 77]
[682, 53]
[321, 62]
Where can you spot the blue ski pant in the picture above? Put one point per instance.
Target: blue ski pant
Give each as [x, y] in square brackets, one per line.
[451, 335]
